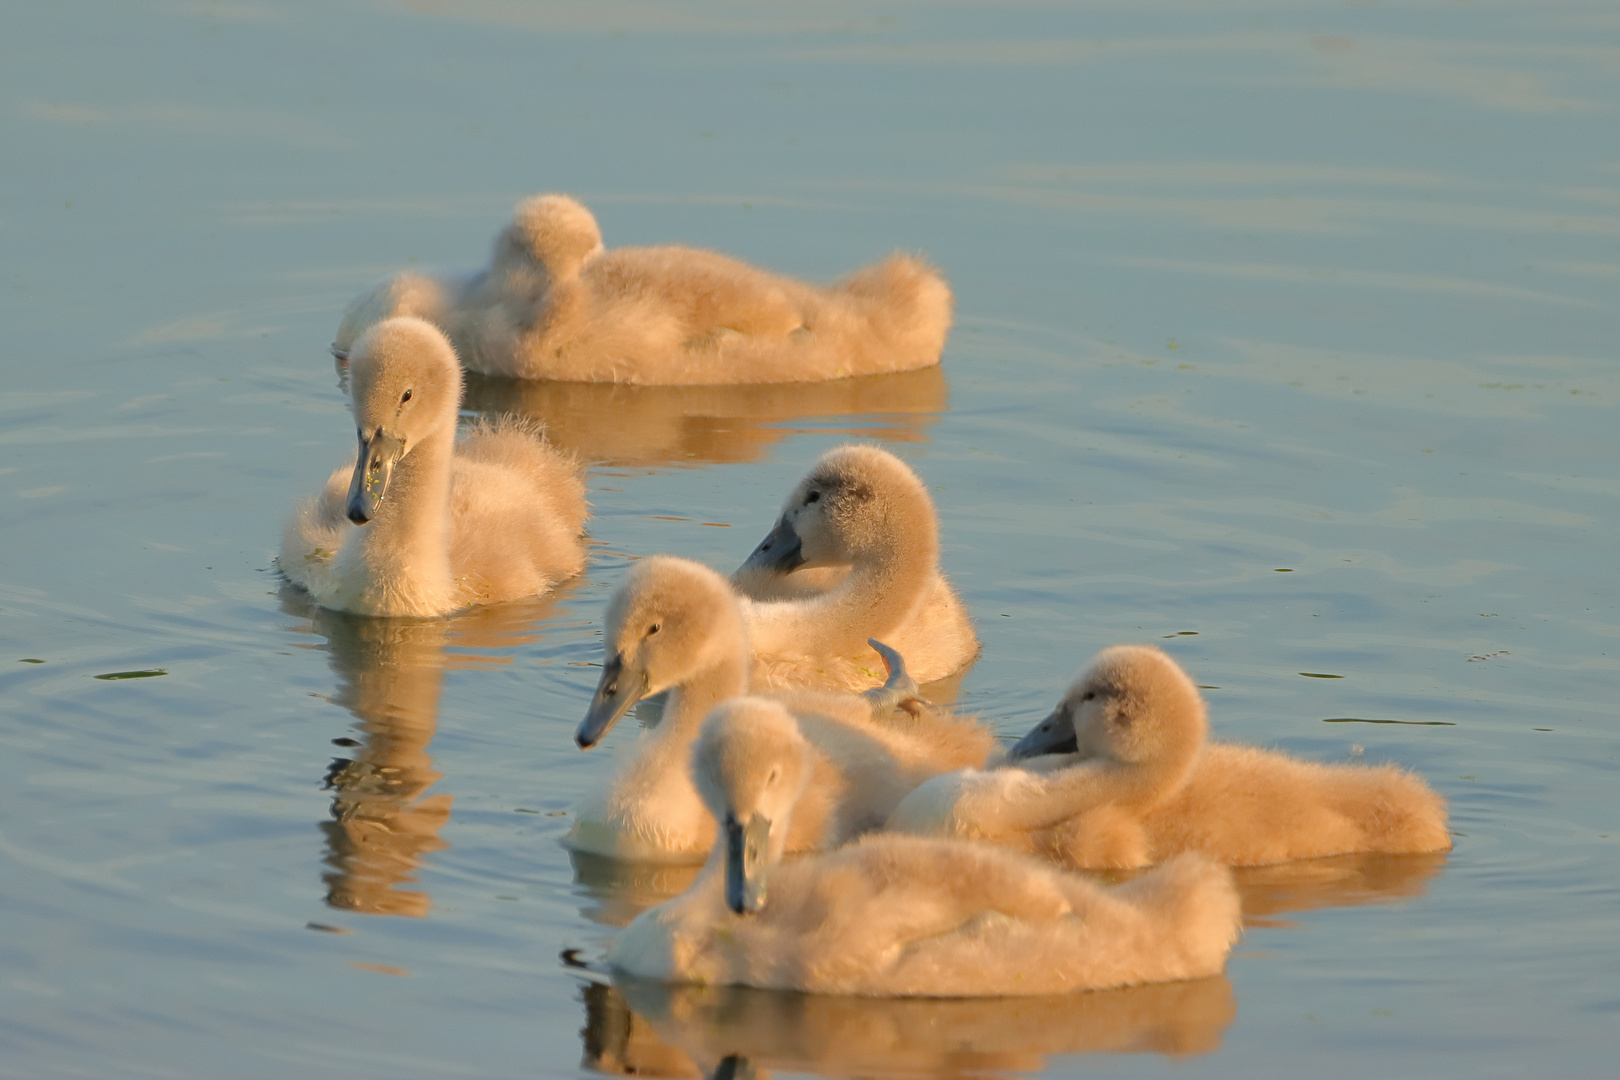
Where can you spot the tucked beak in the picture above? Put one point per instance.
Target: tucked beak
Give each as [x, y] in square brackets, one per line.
[615, 695]
[1054, 735]
[747, 852]
[378, 455]
[781, 552]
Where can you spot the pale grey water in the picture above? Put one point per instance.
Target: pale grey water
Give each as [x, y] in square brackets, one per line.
[1324, 288]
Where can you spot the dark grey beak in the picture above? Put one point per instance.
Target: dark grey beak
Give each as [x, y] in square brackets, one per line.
[616, 694]
[781, 552]
[1054, 735]
[378, 455]
[747, 853]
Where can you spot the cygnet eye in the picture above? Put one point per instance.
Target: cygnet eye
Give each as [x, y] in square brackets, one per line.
[771, 779]
[653, 629]
[1088, 695]
[406, 396]
[814, 496]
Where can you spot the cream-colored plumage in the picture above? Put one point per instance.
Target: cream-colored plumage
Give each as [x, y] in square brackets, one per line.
[554, 305]
[1135, 782]
[423, 525]
[899, 916]
[675, 625]
[854, 555]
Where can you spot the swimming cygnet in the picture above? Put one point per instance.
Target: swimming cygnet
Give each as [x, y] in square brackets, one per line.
[422, 525]
[675, 626]
[1137, 783]
[554, 305]
[902, 916]
[861, 528]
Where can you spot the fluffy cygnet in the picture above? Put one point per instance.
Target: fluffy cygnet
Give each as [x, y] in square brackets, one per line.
[854, 555]
[1138, 783]
[676, 626]
[422, 525]
[554, 305]
[900, 916]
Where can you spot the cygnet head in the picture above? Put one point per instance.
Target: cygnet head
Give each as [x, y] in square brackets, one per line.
[404, 388]
[554, 230]
[670, 620]
[855, 501]
[751, 763]
[1132, 704]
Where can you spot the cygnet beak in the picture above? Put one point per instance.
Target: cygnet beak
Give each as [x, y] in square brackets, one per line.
[617, 692]
[378, 455]
[782, 552]
[1054, 735]
[747, 856]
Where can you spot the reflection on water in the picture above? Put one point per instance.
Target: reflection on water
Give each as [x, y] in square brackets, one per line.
[660, 425]
[1341, 881]
[653, 1029]
[391, 670]
[618, 891]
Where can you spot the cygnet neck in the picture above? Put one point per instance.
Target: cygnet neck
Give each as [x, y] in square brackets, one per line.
[409, 538]
[694, 698]
[889, 579]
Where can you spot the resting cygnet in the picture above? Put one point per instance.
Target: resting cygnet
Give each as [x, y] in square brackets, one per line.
[900, 916]
[862, 527]
[422, 525]
[675, 625]
[1139, 784]
[554, 305]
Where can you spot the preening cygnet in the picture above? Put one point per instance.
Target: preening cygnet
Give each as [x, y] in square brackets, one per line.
[862, 528]
[901, 916]
[422, 525]
[676, 626]
[1139, 783]
[554, 305]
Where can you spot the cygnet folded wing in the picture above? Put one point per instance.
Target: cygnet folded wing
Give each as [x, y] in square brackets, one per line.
[1139, 783]
[904, 916]
[861, 522]
[554, 304]
[420, 525]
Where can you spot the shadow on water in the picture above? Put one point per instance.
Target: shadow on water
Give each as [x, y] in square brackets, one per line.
[653, 1029]
[390, 674]
[697, 425]
[617, 890]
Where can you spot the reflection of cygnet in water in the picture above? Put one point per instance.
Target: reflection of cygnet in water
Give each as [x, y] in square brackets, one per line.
[675, 625]
[555, 305]
[660, 1028]
[860, 531]
[900, 916]
[383, 823]
[390, 672]
[422, 525]
[1139, 783]
[694, 425]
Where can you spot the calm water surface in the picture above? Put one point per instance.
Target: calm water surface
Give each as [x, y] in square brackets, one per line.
[1286, 339]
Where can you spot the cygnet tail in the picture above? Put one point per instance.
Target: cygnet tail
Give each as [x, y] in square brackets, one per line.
[897, 313]
[1194, 904]
[1396, 811]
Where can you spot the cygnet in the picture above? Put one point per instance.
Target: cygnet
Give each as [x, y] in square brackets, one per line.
[1134, 782]
[900, 916]
[422, 525]
[854, 555]
[554, 304]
